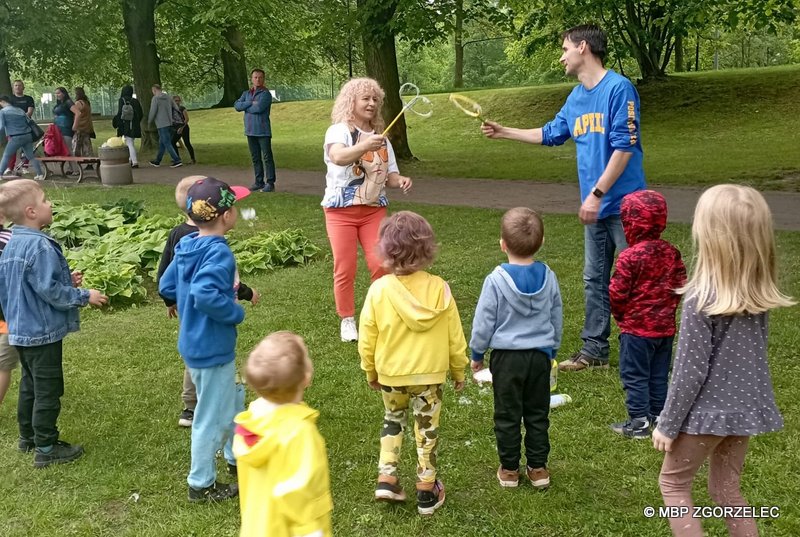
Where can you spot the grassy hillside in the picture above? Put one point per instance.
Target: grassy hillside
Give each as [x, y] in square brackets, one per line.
[697, 129]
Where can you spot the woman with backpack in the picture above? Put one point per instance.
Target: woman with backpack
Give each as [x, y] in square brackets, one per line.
[128, 121]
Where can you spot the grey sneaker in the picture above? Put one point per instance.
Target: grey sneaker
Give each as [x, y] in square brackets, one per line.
[580, 361]
[186, 418]
[25, 445]
[61, 453]
[637, 428]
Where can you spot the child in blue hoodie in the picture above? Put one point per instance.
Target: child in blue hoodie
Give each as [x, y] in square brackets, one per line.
[519, 316]
[200, 280]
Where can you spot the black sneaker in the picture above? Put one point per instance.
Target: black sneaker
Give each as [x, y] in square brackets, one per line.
[633, 428]
[186, 418]
[155, 164]
[134, 166]
[61, 453]
[430, 497]
[269, 187]
[176, 164]
[216, 492]
[25, 445]
[256, 186]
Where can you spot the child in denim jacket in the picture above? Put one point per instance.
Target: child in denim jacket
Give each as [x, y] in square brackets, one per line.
[40, 299]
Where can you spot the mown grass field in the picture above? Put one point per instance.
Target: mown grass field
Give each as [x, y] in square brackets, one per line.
[123, 381]
[697, 129]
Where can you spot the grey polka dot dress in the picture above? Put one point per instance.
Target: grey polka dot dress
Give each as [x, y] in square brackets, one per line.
[720, 378]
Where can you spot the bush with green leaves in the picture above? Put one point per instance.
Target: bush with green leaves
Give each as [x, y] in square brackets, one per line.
[271, 250]
[121, 260]
[73, 225]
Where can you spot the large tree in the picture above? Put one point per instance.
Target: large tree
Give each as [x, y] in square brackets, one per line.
[380, 57]
[140, 28]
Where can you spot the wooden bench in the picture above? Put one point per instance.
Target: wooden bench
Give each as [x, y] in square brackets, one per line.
[80, 161]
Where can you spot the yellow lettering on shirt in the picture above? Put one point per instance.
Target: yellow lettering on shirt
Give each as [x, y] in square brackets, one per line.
[586, 123]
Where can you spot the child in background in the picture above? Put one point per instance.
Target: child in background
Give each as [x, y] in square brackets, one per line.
[519, 316]
[9, 357]
[283, 465]
[410, 337]
[643, 302]
[201, 280]
[721, 392]
[243, 292]
[40, 299]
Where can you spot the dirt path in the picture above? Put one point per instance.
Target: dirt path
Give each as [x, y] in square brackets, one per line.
[488, 193]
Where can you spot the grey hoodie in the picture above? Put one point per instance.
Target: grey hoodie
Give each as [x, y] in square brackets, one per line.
[161, 110]
[508, 319]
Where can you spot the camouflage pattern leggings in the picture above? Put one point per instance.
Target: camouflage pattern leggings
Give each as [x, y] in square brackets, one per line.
[426, 404]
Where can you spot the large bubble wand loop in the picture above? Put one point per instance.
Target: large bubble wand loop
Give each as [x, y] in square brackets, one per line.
[419, 104]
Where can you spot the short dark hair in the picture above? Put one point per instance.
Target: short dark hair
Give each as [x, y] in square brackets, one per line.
[594, 36]
[522, 231]
[5, 98]
[257, 70]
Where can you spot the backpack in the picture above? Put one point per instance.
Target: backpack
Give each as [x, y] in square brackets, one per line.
[126, 114]
[177, 117]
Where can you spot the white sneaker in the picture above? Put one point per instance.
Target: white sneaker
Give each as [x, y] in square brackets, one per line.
[38, 177]
[24, 170]
[8, 171]
[348, 329]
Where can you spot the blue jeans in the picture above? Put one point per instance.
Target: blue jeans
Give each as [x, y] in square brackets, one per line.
[601, 239]
[644, 372]
[219, 399]
[24, 141]
[165, 144]
[261, 152]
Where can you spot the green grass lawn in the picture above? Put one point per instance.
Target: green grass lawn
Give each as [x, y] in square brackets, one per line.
[123, 382]
[697, 129]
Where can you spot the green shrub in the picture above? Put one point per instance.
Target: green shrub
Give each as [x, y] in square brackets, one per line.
[73, 225]
[270, 250]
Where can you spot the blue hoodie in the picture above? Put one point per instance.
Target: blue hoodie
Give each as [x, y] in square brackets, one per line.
[512, 319]
[200, 280]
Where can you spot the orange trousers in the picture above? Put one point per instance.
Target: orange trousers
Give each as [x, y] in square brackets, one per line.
[347, 227]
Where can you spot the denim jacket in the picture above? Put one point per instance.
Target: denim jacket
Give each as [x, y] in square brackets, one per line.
[36, 292]
[256, 104]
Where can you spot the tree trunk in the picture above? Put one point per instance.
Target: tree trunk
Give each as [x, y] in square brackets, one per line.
[140, 29]
[5, 75]
[458, 34]
[697, 54]
[234, 67]
[679, 65]
[380, 58]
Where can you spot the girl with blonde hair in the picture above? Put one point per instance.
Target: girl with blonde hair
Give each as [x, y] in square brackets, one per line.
[361, 164]
[721, 392]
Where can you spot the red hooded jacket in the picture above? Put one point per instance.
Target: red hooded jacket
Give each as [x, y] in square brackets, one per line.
[642, 289]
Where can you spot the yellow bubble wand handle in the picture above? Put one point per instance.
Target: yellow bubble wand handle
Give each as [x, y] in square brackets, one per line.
[409, 89]
[403, 111]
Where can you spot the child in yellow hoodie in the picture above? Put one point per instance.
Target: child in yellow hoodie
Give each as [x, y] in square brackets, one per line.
[410, 336]
[284, 484]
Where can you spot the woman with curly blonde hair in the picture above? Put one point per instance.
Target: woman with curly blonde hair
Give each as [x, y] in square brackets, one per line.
[361, 164]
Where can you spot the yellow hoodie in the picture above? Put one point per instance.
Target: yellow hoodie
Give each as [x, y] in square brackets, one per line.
[410, 332]
[284, 485]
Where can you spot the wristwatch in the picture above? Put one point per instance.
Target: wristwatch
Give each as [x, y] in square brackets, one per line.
[597, 193]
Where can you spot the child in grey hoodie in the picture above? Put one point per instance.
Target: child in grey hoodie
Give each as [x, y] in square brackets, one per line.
[519, 316]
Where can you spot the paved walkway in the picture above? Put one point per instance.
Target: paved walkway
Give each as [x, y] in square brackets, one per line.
[488, 193]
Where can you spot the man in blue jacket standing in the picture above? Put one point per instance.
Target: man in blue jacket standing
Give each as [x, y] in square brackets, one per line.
[256, 103]
[601, 116]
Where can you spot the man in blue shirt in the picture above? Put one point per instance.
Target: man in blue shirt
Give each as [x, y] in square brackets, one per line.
[256, 104]
[601, 115]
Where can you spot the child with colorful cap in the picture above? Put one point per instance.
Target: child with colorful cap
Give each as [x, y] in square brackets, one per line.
[201, 281]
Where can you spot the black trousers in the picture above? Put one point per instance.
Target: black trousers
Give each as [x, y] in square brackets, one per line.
[521, 383]
[40, 389]
[184, 134]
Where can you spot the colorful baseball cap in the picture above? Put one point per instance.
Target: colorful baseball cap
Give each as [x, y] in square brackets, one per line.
[209, 197]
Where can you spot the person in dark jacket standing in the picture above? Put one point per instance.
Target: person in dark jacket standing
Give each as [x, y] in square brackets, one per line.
[256, 103]
[63, 117]
[128, 121]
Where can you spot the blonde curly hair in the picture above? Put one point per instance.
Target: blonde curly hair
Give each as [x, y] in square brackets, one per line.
[346, 101]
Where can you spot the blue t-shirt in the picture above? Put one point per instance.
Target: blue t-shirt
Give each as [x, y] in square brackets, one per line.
[601, 120]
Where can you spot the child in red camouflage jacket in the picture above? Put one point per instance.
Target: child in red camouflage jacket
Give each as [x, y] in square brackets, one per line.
[643, 302]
